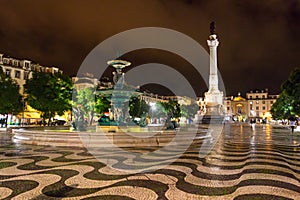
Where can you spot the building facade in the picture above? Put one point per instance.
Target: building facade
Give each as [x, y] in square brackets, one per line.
[257, 104]
[21, 70]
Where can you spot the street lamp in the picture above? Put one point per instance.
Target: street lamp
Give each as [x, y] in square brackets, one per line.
[23, 110]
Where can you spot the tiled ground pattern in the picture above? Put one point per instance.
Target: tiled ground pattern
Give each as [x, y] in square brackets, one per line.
[245, 164]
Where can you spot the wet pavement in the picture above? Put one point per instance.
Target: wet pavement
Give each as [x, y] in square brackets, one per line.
[244, 164]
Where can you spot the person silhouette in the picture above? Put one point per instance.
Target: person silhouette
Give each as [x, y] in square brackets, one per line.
[252, 123]
[292, 123]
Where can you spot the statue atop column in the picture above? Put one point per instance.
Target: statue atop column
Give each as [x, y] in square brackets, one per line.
[212, 28]
[213, 97]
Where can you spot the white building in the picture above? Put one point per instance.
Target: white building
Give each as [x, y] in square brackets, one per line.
[21, 70]
[257, 104]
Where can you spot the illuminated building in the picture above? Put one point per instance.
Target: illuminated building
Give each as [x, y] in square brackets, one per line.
[257, 104]
[21, 70]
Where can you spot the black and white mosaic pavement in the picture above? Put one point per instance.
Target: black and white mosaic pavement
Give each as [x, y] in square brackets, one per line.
[245, 164]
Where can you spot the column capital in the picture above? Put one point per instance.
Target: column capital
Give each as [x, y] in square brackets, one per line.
[213, 43]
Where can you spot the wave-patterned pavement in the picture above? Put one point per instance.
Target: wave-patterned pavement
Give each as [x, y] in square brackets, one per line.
[244, 164]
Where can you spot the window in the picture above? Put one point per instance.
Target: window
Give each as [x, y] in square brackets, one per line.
[26, 75]
[271, 102]
[26, 64]
[16, 63]
[7, 72]
[256, 96]
[250, 96]
[257, 102]
[5, 61]
[263, 96]
[17, 74]
[228, 108]
[257, 107]
[264, 108]
[263, 101]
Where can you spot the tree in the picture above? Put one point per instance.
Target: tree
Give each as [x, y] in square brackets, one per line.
[85, 101]
[292, 89]
[89, 103]
[189, 111]
[10, 98]
[102, 104]
[173, 108]
[167, 109]
[282, 108]
[288, 102]
[137, 107]
[50, 93]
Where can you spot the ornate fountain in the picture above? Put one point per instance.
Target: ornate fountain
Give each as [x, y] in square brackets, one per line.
[120, 94]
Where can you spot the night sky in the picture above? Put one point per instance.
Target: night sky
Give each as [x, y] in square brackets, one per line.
[259, 40]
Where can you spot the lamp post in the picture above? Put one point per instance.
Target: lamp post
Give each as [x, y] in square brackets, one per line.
[23, 110]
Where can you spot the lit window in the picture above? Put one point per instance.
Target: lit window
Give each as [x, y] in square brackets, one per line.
[26, 75]
[17, 74]
[5, 61]
[16, 63]
[26, 64]
[7, 72]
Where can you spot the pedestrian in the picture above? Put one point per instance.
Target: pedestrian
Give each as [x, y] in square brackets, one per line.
[252, 123]
[293, 123]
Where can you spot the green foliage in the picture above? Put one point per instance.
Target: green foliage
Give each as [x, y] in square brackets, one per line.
[159, 110]
[49, 93]
[171, 108]
[288, 103]
[137, 107]
[10, 98]
[292, 89]
[189, 111]
[282, 108]
[85, 101]
[102, 104]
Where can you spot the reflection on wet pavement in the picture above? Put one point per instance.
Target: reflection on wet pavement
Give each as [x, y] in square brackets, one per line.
[245, 164]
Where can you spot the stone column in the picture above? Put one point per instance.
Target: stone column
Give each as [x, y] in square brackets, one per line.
[213, 75]
[214, 95]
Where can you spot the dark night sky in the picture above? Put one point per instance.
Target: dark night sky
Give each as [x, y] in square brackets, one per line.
[259, 40]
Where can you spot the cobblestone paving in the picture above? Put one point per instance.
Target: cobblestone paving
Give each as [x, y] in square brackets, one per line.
[245, 164]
